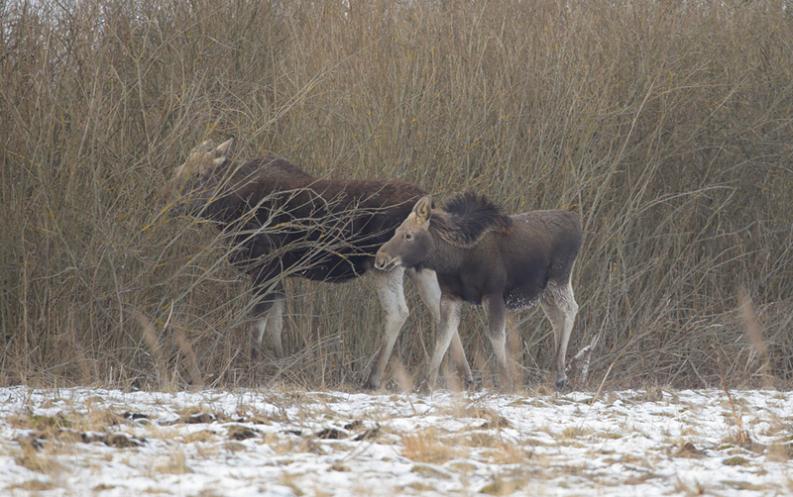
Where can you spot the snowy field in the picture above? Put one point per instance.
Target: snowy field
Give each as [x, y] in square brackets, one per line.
[85, 442]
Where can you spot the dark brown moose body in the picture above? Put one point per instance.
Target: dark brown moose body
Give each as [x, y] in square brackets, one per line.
[482, 256]
[283, 222]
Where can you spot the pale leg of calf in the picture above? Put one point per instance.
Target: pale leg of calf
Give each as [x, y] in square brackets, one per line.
[275, 325]
[559, 305]
[497, 320]
[430, 292]
[271, 324]
[450, 321]
[259, 329]
[392, 298]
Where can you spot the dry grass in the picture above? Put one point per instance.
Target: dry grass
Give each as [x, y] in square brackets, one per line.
[40, 422]
[498, 449]
[464, 409]
[199, 436]
[429, 447]
[175, 464]
[686, 449]
[200, 415]
[67, 425]
[666, 125]
[32, 486]
[34, 459]
[502, 486]
[506, 453]
[574, 432]
[780, 452]
[288, 481]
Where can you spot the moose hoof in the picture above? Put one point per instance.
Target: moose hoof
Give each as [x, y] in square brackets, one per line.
[423, 386]
[473, 385]
[371, 384]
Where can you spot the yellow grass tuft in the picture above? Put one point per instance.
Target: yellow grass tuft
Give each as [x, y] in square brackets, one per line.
[39, 460]
[288, 481]
[780, 451]
[200, 436]
[32, 485]
[574, 432]
[502, 486]
[427, 446]
[175, 464]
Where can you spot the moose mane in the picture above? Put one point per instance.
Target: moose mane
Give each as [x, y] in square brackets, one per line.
[467, 217]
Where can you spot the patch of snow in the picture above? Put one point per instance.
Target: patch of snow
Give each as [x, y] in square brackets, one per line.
[276, 443]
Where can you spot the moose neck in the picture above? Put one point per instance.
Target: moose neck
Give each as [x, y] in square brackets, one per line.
[445, 257]
[227, 205]
[225, 209]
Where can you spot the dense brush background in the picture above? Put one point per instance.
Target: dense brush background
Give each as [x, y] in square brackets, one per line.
[667, 125]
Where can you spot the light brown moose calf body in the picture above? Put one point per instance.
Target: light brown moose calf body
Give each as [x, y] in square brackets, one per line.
[505, 263]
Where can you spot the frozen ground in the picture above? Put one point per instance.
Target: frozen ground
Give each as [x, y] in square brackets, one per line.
[86, 442]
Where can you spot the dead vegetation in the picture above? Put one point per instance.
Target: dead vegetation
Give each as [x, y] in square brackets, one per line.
[31, 485]
[666, 125]
[174, 464]
[31, 457]
[430, 447]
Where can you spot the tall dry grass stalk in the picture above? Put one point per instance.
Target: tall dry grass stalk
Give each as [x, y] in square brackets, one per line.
[666, 125]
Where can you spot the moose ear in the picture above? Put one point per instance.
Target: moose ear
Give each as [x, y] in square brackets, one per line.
[223, 149]
[423, 208]
[219, 154]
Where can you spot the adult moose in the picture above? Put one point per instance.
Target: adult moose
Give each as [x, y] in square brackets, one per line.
[482, 256]
[284, 222]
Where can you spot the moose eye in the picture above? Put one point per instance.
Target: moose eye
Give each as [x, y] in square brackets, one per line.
[408, 236]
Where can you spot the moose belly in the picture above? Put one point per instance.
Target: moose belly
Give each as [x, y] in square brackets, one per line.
[521, 298]
[454, 286]
[525, 287]
[334, 269]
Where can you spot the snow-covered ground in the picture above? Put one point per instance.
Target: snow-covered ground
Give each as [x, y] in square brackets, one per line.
[86, 442]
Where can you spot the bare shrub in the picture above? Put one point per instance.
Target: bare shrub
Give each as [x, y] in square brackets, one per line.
[667, 126]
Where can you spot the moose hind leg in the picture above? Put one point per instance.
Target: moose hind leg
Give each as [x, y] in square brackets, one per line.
[559, 305]
[391, 292]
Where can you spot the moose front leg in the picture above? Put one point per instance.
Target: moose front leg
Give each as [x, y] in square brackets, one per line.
[392, 299]
[426, 283]
[272, 324]
[269, 312]
[450, 321]
[497, 319]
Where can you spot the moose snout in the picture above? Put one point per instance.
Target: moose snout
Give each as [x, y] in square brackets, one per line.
[384, 262]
